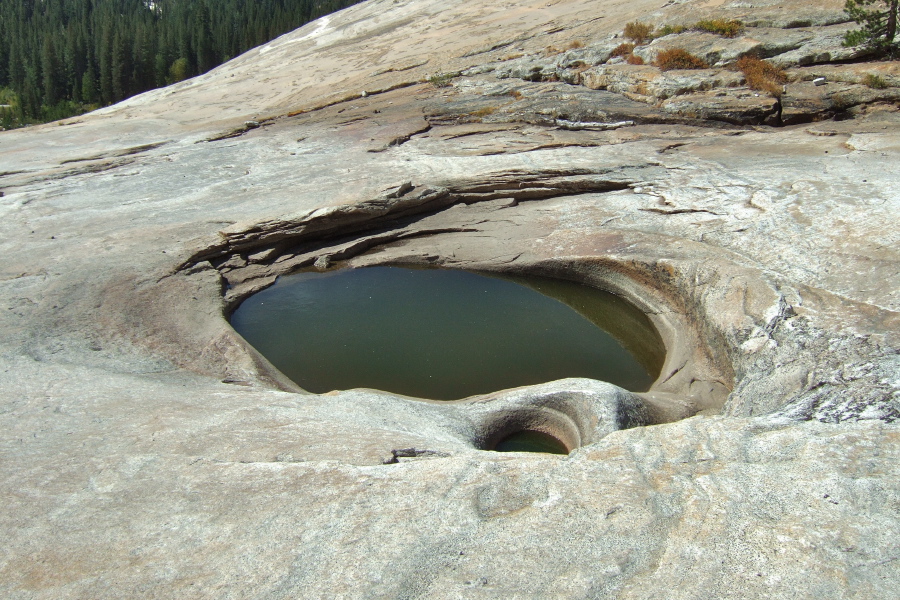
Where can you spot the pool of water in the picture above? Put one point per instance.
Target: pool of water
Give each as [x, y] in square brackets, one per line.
[531, 441]
[445, 334]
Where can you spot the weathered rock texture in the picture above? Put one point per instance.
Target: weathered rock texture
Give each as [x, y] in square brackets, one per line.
[149, 452]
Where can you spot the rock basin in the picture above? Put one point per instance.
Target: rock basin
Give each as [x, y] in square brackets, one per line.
[446, 334]
[150, 452]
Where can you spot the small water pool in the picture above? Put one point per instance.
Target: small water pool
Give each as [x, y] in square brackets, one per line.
[531, 441]
[446, 334]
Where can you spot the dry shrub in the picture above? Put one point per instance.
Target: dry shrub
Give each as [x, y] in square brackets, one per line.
[625, 51]
[574, 45]
[622, 50]
[516, 94]
[762, 76]
[679, 58]
[721, 27]
[483, 112]
[637, 31]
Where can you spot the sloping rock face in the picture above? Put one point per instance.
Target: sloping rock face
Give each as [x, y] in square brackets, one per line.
[149, 452]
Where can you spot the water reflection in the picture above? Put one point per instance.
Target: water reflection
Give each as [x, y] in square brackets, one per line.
[445, 334]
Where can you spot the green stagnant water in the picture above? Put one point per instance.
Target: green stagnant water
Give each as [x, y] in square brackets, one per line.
[445, 334]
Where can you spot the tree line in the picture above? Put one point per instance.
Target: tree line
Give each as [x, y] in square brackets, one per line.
[59, 58]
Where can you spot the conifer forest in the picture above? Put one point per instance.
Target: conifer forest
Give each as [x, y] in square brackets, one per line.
[60, 58]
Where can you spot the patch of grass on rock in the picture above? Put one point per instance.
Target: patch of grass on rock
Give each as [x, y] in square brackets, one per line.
[484, 112]
[875, 82]
[729, 29]
[441, 80]
[669, 30]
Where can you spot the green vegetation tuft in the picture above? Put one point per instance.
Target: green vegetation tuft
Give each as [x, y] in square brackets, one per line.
[441, 80]
[179, 71]
[721, 27]
[875, 82]
[12, 114]
[669, 30]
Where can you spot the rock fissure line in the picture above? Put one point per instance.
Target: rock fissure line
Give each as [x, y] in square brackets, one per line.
[249, 126]
[351, 98]
[679, 211]
[83, 170]
[125, 152]
[267, 242]
[399, 141]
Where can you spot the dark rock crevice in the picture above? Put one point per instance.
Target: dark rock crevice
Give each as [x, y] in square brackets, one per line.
[267, 242]
[117, 154]
[400, 140]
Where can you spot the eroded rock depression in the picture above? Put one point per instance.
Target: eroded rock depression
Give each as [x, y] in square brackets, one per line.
[150, 452]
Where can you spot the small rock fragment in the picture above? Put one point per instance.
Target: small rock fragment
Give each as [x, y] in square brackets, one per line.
[401, 191]
[322, 263]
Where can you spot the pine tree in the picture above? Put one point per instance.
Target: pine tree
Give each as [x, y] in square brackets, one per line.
[4, 53]
[104, 61]
[16, 70]
[119, 67]
[879, 21]
[31, 92]
[203, 41]
[90, 92]
[51, 70]
[88, 87]
[73, 64]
